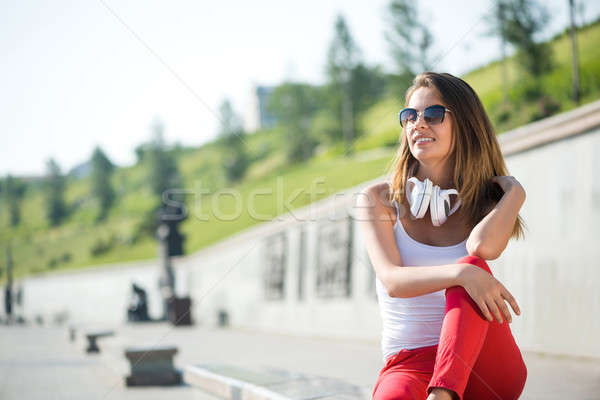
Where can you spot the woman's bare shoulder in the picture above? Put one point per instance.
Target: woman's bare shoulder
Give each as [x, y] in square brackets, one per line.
[380, 191]
[376, 200]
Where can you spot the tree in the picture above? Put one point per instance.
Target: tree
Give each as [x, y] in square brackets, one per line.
[352, 88]
[13, 190]
[102, 169]
[163, 171]
[524, 19]
[409, 39]
[294, 105]
[230, 124]
[55, 184]
[368, 84]
[343, 56]
[231, 137]
[497, 21]
[162, 175]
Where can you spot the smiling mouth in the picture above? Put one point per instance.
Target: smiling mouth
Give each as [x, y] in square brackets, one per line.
[424, 141]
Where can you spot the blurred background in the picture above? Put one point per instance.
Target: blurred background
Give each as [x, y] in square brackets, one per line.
[106, 104]
[215, 120]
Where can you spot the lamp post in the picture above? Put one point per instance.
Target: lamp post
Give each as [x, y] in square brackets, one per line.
[574, 55]
[8, 289]
[166, 281]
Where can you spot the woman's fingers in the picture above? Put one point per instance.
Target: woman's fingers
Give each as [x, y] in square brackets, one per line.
[502, 305]
[511, 300]
[491, 303]
[484, 309]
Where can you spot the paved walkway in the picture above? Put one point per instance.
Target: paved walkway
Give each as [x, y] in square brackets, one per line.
[40, 362]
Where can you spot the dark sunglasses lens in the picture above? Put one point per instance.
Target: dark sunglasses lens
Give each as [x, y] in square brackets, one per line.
[407, 115]
[434, 114]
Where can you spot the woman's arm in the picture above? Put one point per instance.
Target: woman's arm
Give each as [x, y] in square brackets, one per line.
[399, 281]
[491, 235]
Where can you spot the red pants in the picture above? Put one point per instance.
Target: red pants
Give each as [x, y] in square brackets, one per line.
[475, 358]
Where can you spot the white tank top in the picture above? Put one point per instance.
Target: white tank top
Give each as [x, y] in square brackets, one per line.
[414, 322]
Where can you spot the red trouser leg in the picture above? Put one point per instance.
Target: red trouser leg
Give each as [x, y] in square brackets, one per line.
[405, 375]
[476, 358]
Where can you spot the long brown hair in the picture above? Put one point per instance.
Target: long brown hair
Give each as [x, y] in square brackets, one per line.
[475, 150]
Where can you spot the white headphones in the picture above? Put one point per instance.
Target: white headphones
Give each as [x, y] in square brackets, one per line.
[425, 195]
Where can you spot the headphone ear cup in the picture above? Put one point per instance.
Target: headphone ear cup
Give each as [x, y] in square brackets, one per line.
[446, 195]
[425, 198]
[411, 194]
[434, 208]
[440, 205]
[418, 197]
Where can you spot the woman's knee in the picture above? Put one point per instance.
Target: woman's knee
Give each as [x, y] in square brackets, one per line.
[474, 260]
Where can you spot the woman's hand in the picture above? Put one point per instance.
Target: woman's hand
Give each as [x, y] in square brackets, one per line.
[487, 292]
[508, 183]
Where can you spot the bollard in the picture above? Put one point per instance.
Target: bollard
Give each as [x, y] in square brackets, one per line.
[92, 338]
[152, 366]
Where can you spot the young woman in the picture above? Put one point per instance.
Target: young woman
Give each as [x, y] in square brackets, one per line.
[446, 331]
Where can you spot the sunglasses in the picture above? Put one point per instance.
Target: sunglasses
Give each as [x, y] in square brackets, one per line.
[432, 115]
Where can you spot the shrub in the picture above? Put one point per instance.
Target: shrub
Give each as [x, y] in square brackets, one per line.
[545, 107]
[100, 246]
[66, 257]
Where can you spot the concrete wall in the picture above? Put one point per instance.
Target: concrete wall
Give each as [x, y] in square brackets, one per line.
[554, 273]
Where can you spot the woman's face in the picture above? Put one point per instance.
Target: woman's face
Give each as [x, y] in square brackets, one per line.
[441, 133]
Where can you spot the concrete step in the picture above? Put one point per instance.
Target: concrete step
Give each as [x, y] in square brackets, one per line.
[235, 383]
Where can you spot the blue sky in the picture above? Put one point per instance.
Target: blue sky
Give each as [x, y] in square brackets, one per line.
[76, 74]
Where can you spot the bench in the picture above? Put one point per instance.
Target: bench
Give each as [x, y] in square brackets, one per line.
[93, 337]
[152, 366]
[233, 382]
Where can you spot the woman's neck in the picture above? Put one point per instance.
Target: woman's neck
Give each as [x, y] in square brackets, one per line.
[440, 176]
